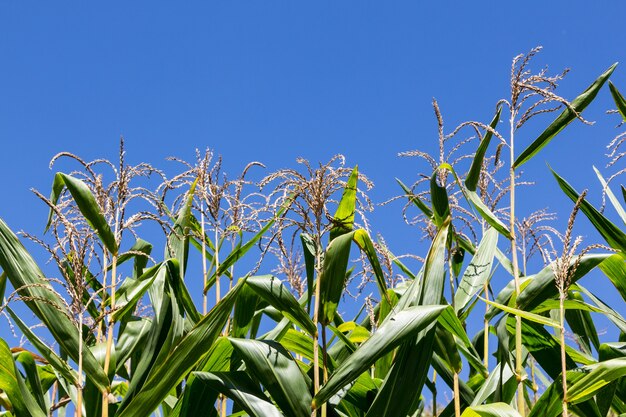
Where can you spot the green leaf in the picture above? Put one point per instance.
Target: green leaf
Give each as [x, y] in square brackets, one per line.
[276, 293]
[471, 180]
[583, 384]
[614, 201]
[415, 200]
[87, 205]
[524, 314]
[332, 280]
[168, 371]
[478, 271]
[178, 240]
[343, 220]
[57, 363]
[44, 302]
[619, 100]
[364, 242]
[565, 118]
[309, 250]
[611, 233]
[239, 387]
[614, 267]
[542, 286]
[24, 404]
[491, 410]
[439, 199]
[396, 329]
[279, 374]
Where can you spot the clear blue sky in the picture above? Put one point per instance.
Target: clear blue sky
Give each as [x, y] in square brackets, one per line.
[271, 81]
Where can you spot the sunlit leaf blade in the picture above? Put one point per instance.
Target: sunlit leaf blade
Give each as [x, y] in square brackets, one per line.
[279, 374]
[276, 293]
[478, 271]
[614, 267]
[167, 372]
[598, 376]
[619, 100]
[3, 284]
[416, 200]
[87, 205]
[524, 314]
[412, 360]
[471, 180]
[614, 201]
[343, 220]
[46, 304]
[491, 410]
[391, 333]
[611, 233]
[22, 401]
[333, 277]
[566, 117]
[31, 375]
[239, 387]
[364, 242]
[59, 364]
[542, 286]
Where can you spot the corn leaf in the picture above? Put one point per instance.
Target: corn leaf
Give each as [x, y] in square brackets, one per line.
[44, 302]
[471, 180]
[478, 271]
[279, 374]
[276, 293]
[396, 329]
[566, 117]
[239, 387]
[343, 220]
[491, 410]
[168, 371]
[87, 205]
[620, 102]
[333, 277]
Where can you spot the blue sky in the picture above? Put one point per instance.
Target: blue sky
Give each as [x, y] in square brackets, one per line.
[272, 81]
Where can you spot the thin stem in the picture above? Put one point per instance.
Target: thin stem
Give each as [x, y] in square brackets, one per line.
[563, 357]
[79, 383]
[324, 357]
[457, 398]
[204, 268]
[435, 393]
[518, 320]
[111, 325]
[316, 306]
[486, 330]
[217, 266]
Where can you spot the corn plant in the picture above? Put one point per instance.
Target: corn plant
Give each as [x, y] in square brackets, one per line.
[132, 337]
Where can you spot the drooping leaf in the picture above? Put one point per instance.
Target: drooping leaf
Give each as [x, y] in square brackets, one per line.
[276, 293]
[391, 333]
[566, 117]
[416, 200]
[279, 374]
[343, 220]
[87, 205]
[239, 387]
